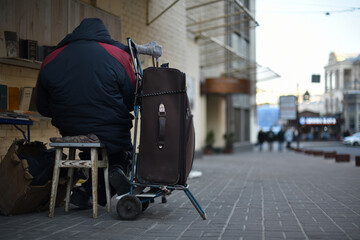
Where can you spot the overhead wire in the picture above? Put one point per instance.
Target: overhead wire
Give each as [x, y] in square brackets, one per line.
[310, 7]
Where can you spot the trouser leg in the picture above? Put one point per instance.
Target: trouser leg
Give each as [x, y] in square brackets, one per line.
[115, 160]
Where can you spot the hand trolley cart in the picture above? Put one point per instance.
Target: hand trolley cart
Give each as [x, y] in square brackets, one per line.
[164, 159]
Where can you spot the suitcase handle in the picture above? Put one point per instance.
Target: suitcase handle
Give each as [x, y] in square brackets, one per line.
[162, 122]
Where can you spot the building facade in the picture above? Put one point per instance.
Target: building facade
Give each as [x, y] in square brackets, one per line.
[342, 87]
[225, 33]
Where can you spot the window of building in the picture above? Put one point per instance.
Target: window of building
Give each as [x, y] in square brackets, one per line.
[351, 116]
[352, 123]
[242, 123]
[356, 84]
[347, 79]
[241, 46]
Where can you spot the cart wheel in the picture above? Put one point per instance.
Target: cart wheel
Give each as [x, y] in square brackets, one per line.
[145, 205]
[128, 207]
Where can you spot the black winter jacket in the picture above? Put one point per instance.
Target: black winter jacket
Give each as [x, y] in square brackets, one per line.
[86, 85]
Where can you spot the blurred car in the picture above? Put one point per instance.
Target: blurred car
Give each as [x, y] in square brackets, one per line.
[353, 140]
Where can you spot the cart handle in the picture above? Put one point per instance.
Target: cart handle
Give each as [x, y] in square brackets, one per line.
[151, 48]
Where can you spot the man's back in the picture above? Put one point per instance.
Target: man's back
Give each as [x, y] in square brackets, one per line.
[85, 85]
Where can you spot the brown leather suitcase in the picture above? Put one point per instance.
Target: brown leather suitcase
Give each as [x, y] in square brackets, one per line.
[167, 136]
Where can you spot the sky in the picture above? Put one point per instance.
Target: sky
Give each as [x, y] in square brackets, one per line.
[295, 38]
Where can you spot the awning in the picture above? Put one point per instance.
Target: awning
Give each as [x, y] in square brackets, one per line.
[213, 23]
[225, 85]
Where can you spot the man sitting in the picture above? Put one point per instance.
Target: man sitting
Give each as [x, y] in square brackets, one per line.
[86, 85]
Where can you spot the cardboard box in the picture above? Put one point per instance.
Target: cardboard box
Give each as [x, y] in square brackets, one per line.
[17, 194]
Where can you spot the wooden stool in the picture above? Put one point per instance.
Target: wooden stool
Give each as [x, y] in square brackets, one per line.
[72, 163]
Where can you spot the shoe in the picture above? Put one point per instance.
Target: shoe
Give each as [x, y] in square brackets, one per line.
[80, 198]
[119, 181]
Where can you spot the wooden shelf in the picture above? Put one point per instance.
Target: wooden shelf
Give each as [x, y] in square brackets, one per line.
[20, 62]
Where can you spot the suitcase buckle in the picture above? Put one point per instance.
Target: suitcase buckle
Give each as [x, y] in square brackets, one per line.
[161, 108]
[162, 123]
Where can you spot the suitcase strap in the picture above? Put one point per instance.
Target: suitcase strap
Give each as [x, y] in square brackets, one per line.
[162, 122]
[163, 93]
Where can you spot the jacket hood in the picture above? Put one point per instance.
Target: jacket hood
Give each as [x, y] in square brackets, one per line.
[89, 29]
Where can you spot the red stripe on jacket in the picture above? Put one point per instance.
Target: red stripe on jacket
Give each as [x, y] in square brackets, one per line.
[48, 59]
[51, 56]
[123, 57]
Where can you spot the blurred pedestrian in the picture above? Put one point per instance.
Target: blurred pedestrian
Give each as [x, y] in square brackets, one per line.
[261, 139]
[281, 138]
[289, 136]
[297, 137]
[270, 137]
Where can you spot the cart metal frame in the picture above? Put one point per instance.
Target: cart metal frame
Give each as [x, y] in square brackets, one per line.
[132, 204]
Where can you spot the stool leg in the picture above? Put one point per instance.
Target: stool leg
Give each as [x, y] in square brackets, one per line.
[106, 178]
[94, 176]
[70, 179]
[55, 180]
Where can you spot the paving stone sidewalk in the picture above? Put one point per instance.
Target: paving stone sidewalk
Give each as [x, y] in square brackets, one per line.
[252, 195]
